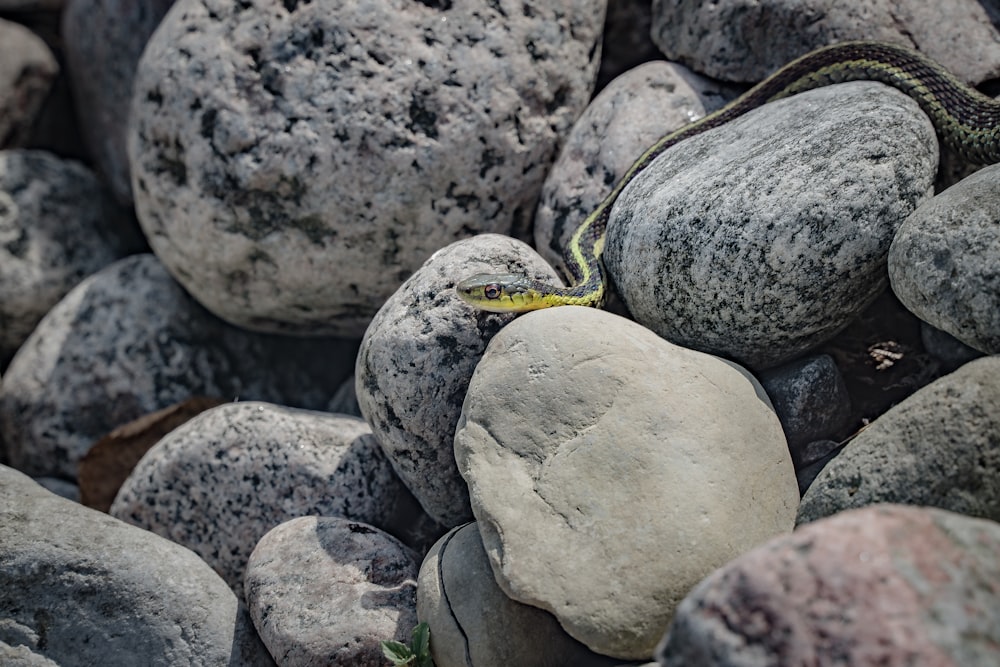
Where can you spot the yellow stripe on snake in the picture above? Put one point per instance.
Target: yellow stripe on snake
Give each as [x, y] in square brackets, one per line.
[966, 120]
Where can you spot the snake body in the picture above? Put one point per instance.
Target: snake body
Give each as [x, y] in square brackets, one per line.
[966, 121]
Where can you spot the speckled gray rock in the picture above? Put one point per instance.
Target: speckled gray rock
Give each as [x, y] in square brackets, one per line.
[294, 162]
[219, 482]
[416, 359]
[325, 591]
[472, 622]
[610, 471]
[128, 341]
[810, 398]
[944, 263]
[762, 238]
[939, 447]
[27, 70]
[81, 588]
[624, 120]
[57, 226]
[736, 40]
[885, 585]
[103, 40]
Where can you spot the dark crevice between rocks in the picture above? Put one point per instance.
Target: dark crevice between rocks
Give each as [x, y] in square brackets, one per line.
[442, 5]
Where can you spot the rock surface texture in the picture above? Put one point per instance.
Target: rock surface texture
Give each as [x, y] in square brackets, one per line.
[736, 40]
[763, 238]
[128, 341]
[944, 262]
[474, 624]
[416, 359]
[27, 71]
[590, 445]
[79, 587]
[939, 447]
[219, 482]
[294, 162]
[885, 585]
[326, 591]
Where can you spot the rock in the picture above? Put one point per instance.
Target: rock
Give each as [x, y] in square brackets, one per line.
[416, 359]
[810, 460]
[939, 447]
[79, 587]
[219, 482]
[58, 225]
[610, 471]
[326, 591]
[738, 41]
[946, 348]
[473, 623]
[293, 164]
[943, 261]
[884, 585]
[27, 71]
[809, 397]
[128, 341]
[625, 119]
[104, 39]
[764, 237]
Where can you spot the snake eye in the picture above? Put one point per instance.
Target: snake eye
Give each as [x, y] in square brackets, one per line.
[492, 291]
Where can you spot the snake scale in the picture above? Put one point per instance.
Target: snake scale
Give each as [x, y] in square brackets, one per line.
[966, 121]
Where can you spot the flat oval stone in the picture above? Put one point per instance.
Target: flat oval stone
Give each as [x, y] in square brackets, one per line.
[944, 261]
[293, 162]
[219, 482]
[762, 238]
[939, 447]
[883, 585]
[325, 590]
[610, 470]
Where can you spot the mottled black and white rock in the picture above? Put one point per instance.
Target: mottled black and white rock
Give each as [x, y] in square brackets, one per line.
[27, 71]
[294, 162]
[326, 591]
[103, 41]
[939, 447]
[592, 446]
[78, 587]
[735, 40]
[416, 359]
[219, 482]
[474, 624]
[810, 398]
[944, 263]
[762, 238]
[625, 119]
[883, 585]
[128, 341]
[58, 225]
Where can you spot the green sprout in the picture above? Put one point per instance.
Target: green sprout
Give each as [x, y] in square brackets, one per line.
[417, 654]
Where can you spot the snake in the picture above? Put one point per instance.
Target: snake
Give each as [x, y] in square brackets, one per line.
[966, 121]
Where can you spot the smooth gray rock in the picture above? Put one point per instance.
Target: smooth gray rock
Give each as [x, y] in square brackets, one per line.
[625, 119]
[939, 447]
[58, 225]
[416, 359]
[610, 470]
[810, 398]
[944, 263]
[78, 587]
[294, 162]
[884, 585]
[27, 71]
[220, 481]
[735, 40]
[326, 590]
[128, 341]
[472, 622]
[762, 238]
[103, 41]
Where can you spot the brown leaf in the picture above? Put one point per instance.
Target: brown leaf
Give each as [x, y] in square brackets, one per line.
[112, 458]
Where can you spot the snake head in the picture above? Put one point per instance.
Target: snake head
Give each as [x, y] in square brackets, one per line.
[497, 293]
